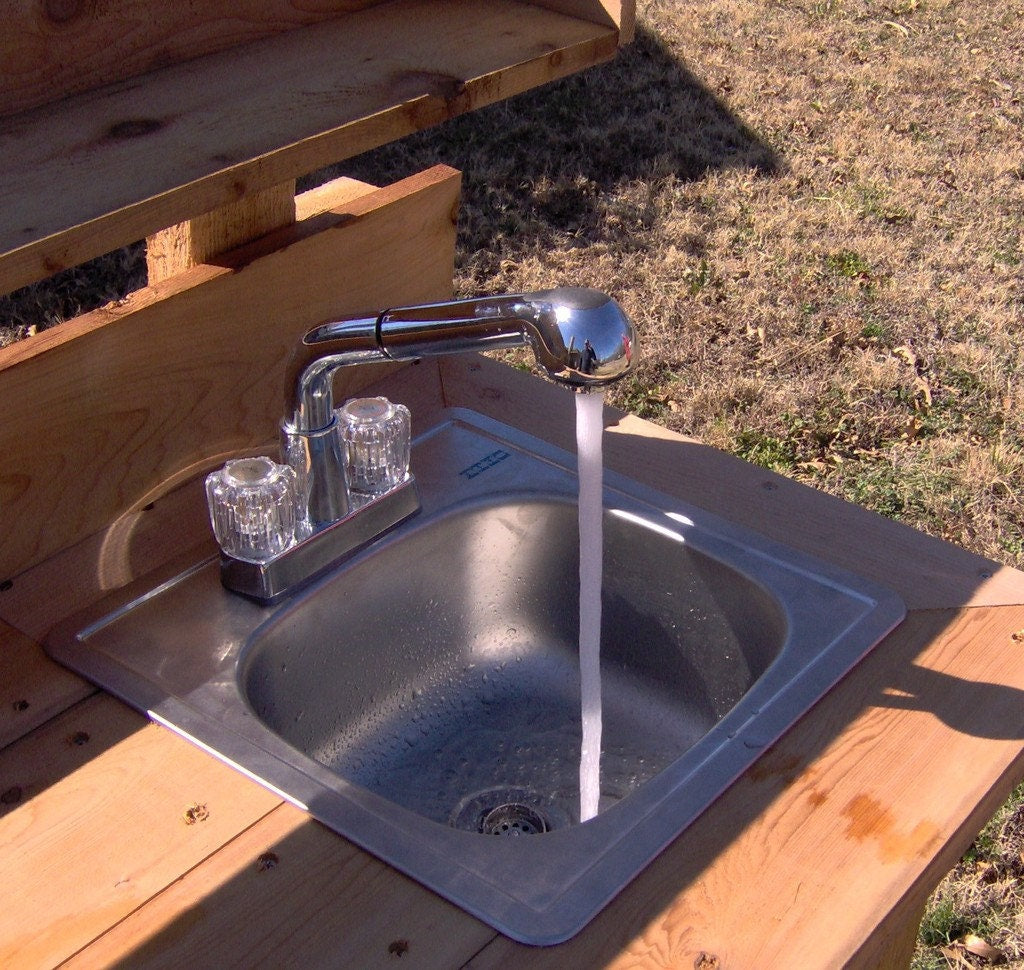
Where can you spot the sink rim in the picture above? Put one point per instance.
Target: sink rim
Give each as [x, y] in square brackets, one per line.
[425, 848]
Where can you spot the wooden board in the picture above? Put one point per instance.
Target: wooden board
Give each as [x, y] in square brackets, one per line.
[107, 167]
[112, 810]
[32, 687]
[620, 14]
[119, 406]
[199, 240]
[61, 47]
[308, 899]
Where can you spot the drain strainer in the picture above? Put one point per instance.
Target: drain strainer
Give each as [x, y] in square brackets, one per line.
[508, 812]
[513, 819]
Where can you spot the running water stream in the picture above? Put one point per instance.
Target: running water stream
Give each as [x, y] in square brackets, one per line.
[589, 428]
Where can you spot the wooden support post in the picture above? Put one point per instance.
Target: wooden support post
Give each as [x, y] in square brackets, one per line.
[198, 240]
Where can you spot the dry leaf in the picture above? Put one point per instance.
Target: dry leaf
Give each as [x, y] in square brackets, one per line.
[895, 26]
[954, 958]
[981, 948]
[922, 394]
[1017, 636]
[906, 354]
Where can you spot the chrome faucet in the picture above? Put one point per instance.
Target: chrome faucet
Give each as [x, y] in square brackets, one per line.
[581, 338]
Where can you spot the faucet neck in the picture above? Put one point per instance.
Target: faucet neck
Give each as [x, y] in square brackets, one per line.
[399, 334]
[309, 396]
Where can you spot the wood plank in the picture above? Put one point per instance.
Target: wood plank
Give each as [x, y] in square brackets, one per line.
[32, 687]
[62, 47]
[934, 573]
[102, 824]
[290, 893]
[891, 946]
[198, 363]
[330, 195]
[107, 167]
[188, 244]
[620, 14]
[838, 819]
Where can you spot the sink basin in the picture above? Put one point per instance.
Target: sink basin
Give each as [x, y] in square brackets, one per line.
[474, 684]
[422, 698]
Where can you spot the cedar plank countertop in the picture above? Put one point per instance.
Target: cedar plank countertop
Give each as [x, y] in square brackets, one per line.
[123, 844]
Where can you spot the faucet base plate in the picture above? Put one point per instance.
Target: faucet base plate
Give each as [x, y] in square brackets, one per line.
[269, 582]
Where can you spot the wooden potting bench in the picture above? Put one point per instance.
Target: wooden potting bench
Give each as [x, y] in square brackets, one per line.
[122, 844]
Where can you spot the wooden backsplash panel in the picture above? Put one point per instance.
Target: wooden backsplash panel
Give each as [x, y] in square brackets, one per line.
[109, 411]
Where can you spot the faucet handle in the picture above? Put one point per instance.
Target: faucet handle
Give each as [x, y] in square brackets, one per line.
[252, 506]
[375, 436]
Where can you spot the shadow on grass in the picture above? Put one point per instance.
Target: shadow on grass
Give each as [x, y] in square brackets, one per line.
[555, 163]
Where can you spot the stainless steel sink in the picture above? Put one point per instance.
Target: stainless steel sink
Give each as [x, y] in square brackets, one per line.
[422, 698]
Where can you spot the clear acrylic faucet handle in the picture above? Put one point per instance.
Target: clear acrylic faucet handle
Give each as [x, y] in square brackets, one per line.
[252, 504]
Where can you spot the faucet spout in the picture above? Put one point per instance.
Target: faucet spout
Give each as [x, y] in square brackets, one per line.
[580, 337]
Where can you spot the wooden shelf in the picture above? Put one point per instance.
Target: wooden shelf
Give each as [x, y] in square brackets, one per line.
[103, 168]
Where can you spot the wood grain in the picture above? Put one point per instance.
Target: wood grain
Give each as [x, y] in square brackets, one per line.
[100, 170]
[306, 898]
[121, 405]
[56, 48]
[188, 244]
[103, 823]
[32, 687]
[620, 14]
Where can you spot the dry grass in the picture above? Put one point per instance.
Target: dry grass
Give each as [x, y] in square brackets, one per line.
[813, 210]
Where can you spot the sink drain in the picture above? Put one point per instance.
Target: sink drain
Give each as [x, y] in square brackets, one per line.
[507, 812]
[513, 819]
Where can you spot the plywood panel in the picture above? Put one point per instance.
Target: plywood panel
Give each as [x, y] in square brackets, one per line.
[119, 406]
